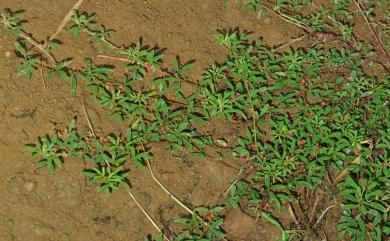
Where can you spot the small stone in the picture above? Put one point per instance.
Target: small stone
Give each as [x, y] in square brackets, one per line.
[29, 186]
[267, 20]
[7, 54]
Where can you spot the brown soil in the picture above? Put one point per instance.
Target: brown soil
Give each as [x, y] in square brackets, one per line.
[36, 205]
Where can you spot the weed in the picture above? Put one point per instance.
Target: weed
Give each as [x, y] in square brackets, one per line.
[328, 116]
[204, 224]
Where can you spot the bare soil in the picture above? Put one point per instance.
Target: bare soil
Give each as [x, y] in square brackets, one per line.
[38, 206]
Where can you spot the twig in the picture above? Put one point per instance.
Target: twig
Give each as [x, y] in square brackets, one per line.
[147, 215]
[174, 198]
[163, 187]
[292, 214]
[322, 215]
[66, 19]
[293, 21]
[43, 78]
[286, 18]
[378, 40]
[291, 41]
[114, 58]
[311, 215]
[346, 170]
[88, 120]
[235, 180]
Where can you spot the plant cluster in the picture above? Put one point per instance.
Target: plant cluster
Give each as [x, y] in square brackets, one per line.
[149, 114]
[310, 114]
[320, 124]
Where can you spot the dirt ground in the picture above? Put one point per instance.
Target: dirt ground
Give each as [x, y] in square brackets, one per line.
[38, 206]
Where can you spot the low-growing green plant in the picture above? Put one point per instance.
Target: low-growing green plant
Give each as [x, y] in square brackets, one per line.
[203, 224]
[108, 156]
[314, 117]
[317, 124]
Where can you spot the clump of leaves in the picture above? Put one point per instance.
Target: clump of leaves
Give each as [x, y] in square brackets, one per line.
[315, 126]
[108, 155]
[204, 224]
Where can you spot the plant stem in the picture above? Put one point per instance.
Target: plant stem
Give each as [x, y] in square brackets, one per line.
[377, 39]
[88, 120]
[104, 40]
[346, 170]
[286, 18]
[68, 16]
[22, 34]
[173, 197]
[292, 214]
[163, 187]
[237, 179]
[147, 215]
[322, 215]
[43, 78]
[34, 42]
[289, 42]
[313, 210]
[114, 58]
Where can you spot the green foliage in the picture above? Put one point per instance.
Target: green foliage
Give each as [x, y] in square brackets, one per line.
[307, 112]
[60, 70]
[316, 125]
[30, 64]
[108, 155]
[109, 178]
[366, 209]
[12, 21]
[142, 60]
[204, 224]
[50, 152]
[82, 22]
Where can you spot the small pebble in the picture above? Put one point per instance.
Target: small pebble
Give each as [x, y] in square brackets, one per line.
[267, 20]
[29, 186]
[7, 54]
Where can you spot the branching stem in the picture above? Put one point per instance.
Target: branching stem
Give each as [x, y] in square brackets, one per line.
[35, 43]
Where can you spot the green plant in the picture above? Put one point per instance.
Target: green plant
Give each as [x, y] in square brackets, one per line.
[109, 178]
[50, 152]
[315, 124]
[312, 116]
[204, 224]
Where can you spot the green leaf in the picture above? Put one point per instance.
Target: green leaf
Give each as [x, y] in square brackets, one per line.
[20, 48]
[377, 206]
[272, 220]
[352, 183]
[73, 84]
